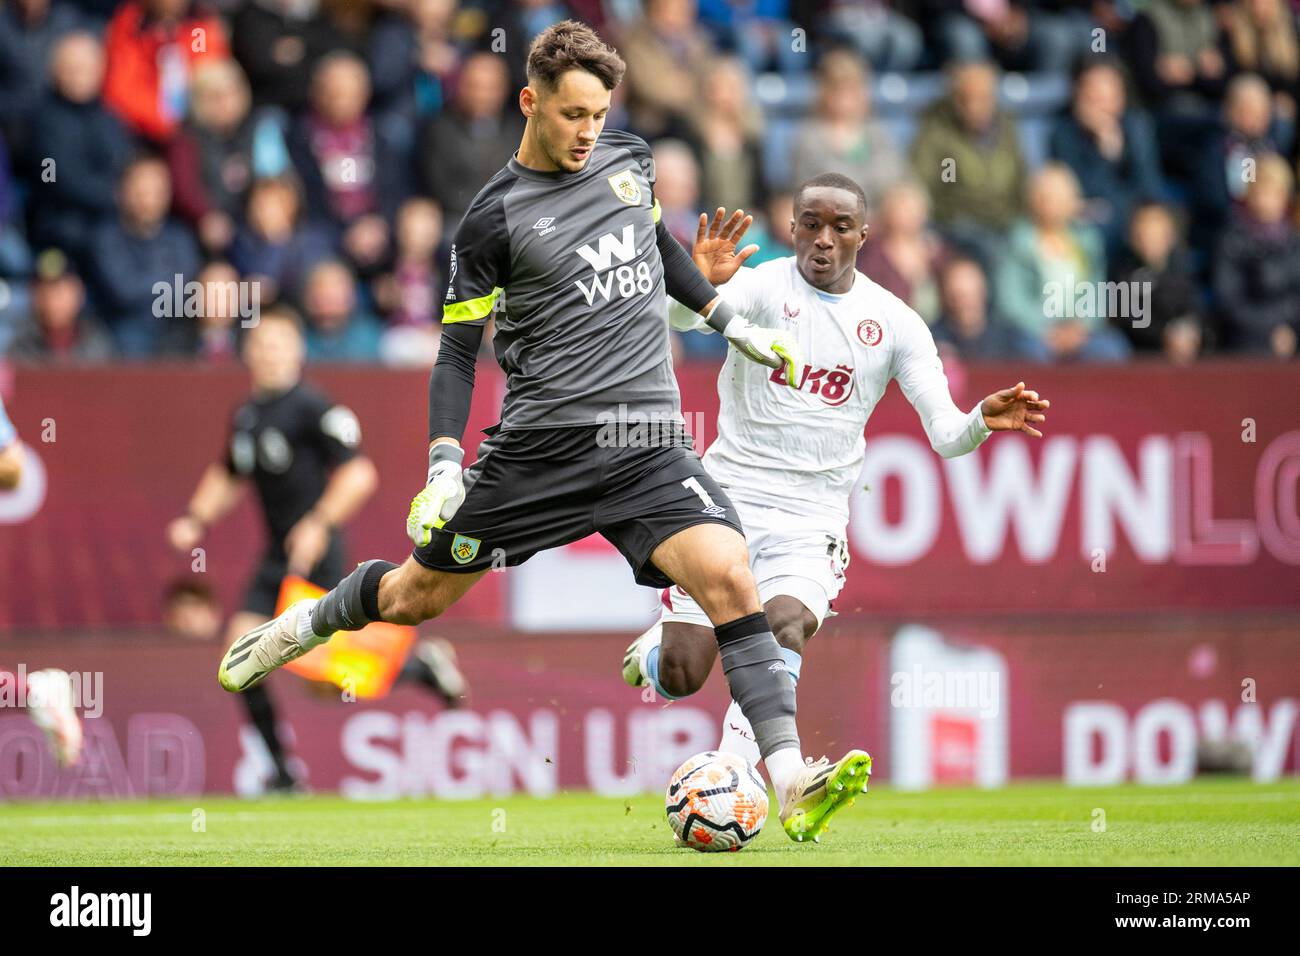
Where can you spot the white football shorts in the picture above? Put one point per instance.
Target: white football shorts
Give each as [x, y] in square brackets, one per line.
[789, 554]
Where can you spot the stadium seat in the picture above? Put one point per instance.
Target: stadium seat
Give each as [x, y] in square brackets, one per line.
[1035, 93]
[779, 94]
[906, 94]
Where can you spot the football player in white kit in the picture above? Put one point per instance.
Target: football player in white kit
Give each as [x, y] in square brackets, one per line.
[789, 457]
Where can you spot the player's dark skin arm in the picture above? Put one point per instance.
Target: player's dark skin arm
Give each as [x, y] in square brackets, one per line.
[689, 650]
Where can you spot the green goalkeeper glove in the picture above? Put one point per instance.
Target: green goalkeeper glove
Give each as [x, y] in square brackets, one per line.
[444, 491]
[774, 348]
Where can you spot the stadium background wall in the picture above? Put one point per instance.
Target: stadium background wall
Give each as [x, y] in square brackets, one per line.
[1185, 481]
[1098, 702]
[1160, 513]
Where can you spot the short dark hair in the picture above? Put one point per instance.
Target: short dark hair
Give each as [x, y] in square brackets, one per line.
[1088, 62]
[571, 45]
[832, 181]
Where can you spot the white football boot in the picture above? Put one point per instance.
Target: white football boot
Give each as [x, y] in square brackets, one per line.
[255, 654]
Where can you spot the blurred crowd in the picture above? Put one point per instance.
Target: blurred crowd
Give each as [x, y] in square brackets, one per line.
[1137, 157]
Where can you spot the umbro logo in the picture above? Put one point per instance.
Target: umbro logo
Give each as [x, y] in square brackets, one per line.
[545, 226]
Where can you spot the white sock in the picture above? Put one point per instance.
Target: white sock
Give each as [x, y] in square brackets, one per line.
[738, 736]
[306, 636]
[784, 767]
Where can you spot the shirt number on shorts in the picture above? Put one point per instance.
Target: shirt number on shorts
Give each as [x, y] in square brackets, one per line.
[710, 507]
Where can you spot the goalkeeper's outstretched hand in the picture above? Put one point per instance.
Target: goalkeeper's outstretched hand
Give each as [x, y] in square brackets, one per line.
[775, 348]
[444, 490]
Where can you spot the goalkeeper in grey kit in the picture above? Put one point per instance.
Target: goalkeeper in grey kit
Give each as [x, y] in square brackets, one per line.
[564, 245]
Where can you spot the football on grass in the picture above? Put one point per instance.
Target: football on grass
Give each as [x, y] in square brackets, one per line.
[716, 801]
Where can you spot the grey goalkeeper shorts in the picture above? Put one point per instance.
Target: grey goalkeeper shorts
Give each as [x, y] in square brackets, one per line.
[538, 488]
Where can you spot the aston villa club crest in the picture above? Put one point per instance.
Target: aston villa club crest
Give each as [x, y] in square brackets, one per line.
[870, 332]
[625, 187]
[464, 548]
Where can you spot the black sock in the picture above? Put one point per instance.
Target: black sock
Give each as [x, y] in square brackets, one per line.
[354, 602]
[756, 672]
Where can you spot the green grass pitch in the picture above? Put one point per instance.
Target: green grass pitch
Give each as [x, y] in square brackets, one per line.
[1214, 822]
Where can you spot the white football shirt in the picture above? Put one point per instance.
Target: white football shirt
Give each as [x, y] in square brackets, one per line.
[801, 449]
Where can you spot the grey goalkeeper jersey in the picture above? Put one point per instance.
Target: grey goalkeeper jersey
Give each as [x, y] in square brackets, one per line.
[567, 263]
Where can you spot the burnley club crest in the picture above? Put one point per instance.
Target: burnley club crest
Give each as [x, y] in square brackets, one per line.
[625, 187]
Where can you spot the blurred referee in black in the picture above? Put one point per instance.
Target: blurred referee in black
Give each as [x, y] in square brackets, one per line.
[300, 450]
